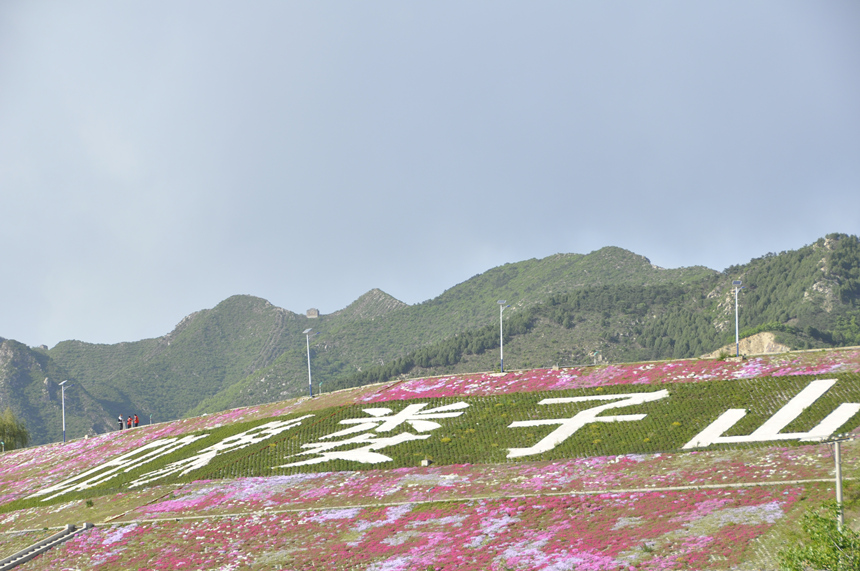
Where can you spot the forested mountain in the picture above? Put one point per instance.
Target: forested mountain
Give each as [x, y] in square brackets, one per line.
[607, 306]
[207, 352]
[29, 386]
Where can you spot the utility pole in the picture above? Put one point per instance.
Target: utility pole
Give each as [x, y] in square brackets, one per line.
[738, 287]
[307, 333]
[502, 308]
[63, 387]
[836, 441]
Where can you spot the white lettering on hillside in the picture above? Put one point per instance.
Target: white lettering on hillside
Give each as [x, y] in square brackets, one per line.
[384, 420]
[229, 444]
[124, 463]
[569, 426]
[770, 430]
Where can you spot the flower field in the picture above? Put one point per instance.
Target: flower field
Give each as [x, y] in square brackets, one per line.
[648, 530]
[330, 490]
[22, 471]
[815, 363]
[544, 469]
[485, 430]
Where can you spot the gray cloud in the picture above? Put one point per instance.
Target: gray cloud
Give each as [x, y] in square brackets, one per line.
[158, 157]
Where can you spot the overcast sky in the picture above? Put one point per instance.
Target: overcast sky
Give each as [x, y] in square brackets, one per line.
[158, 157]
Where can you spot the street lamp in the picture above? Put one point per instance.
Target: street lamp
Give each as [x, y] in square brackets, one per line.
[502, 308]
[738, 287]
[307, 334]
[63, 387]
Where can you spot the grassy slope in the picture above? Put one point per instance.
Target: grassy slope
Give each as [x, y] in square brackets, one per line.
[529, 509]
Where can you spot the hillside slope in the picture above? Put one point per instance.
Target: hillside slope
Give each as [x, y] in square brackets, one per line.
[337, 482]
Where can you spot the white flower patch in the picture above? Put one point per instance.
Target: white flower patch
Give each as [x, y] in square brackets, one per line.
[229, 444]
[382, 420]
[623, 522]
[770, 430]
[490, 528]
[365, 454]
[124, 463]
[385, 421]
[569, 426]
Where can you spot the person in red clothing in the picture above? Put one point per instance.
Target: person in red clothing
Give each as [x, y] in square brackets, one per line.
[136, 421]
[128, 423]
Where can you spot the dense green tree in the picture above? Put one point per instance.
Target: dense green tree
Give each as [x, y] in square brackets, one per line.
[844, 267]
[12, 431]
[825, 547]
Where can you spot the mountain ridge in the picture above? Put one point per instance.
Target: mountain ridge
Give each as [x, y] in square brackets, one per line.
[609, 305]
[374, 303]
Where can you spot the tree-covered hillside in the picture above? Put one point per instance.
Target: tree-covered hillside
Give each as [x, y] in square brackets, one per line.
[608, 306]
[207, 352]
[29, 387]
[568, 309]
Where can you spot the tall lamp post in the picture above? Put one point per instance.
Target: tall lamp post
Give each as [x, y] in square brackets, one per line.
[307, 334]
[738, 287]
[63, 387]
[502, 308]
[836, 440]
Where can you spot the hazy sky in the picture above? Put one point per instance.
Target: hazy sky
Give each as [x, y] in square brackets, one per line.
[157, 157]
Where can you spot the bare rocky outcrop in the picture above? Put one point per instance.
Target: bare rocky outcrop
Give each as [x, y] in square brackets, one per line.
[822, 292]
[759, 344]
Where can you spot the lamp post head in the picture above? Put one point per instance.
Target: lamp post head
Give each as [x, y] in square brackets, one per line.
[737, 283]
[306, 331]
[63, 383]
[502, 302]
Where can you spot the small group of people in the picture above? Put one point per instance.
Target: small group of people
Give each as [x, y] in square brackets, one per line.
[132, 421]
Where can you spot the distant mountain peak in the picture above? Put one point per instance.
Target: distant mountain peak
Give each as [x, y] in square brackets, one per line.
[374, 303]
[620, 255]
